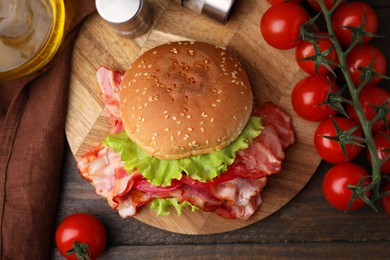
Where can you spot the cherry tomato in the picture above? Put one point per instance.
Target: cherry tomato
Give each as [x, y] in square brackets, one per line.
[351, 14]
[386, 200]
[314, 4]
[370, 96]
[81, 230]
[280, 25]
[382, 143]
[273, 2]
[309, 93]
[306, 49]
[330, 150]
[335, 185]
[363, 56]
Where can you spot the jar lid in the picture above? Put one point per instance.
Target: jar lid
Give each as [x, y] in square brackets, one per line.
[218, 10]
[126, 17]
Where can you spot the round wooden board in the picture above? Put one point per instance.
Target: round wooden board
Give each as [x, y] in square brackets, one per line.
[272, 75]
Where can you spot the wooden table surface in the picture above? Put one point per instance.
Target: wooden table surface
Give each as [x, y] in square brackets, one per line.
[306, 227]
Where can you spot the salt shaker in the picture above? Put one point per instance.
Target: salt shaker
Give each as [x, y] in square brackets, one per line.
[218, 10]
[129, 18]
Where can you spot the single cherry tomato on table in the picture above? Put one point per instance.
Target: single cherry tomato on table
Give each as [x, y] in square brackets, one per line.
[314, 4]
[80, 234]
[382, 142]
[273, 2]
[280, 25]
[370, 96]
[335, 185]
[309, 94]
[361, 56]
[306, 49]
[330, 150]
[351, 15]
[386, 200]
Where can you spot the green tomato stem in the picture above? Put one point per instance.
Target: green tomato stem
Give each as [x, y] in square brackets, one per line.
[366, 125]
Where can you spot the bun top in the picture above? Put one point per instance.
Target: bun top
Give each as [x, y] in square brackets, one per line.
[185, 98]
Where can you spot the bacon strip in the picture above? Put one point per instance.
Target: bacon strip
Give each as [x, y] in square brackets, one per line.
[234, 194]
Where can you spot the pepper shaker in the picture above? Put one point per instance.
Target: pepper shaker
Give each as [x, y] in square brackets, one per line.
[218, 10]
[129, 18]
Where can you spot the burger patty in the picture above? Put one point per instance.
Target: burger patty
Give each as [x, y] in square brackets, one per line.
[234, 194]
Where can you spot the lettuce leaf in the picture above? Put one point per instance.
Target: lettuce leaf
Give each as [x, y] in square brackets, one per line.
[161, 206]
[200, 167]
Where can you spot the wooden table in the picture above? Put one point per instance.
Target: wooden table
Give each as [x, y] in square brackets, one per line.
[305, 227]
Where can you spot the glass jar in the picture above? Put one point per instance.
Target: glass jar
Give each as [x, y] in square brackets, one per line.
[31, 32]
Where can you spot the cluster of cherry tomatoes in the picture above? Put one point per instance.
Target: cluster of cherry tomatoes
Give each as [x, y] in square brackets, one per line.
[280, 27]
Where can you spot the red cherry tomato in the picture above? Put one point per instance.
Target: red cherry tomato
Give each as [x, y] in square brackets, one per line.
[351, 14]
[309, 93]
[330, 150]
[335, 185]
[386, 200]
[363, 56]
[306, 49]
[273, 2]
[370, 96]
[314, 4]
[280, 25]
[81, 230]
[382, 143]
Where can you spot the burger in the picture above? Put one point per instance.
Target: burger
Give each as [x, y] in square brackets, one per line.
[186, 133]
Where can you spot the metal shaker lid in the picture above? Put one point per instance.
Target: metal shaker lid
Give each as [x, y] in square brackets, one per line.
[218, 9]
[126, 17]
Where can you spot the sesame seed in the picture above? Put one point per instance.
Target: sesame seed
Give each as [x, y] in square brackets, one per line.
[174, 118]
[234, 117]
[212, 120]
[172, 138]
[166, 116]
[188, 116]
[186, 137]
[155, 52]
[219, 100]
[201, 123]
[179, 132]
[204, 114]
[202, 129]
[191, 52]
[213, 105]
[155, 134]
[189, 129]
[207, 142]
[165, 112]
[178, 122]
[166, 129]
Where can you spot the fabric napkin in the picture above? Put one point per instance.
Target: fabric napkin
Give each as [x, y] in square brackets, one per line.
[32, 137]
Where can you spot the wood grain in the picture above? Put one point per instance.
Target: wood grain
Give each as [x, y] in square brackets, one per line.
[272, 75]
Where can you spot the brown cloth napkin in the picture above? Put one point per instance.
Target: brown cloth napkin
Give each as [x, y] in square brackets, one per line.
[32, 121]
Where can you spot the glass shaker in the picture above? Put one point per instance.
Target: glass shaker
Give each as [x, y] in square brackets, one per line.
[218, 10]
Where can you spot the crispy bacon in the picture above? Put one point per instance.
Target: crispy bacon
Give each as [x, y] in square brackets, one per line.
[273, 115]
[233, 194]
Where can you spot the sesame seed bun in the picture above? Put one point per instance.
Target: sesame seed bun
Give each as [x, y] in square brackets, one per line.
[185, 98]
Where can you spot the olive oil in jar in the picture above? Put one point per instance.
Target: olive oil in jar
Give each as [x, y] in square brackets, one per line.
[31, 32]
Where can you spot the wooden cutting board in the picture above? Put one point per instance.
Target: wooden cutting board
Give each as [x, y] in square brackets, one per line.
[272, 74]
